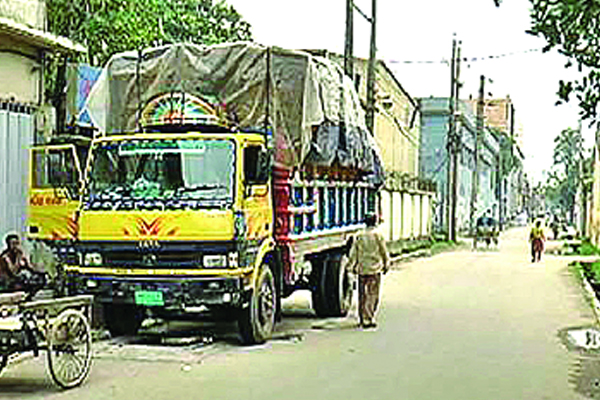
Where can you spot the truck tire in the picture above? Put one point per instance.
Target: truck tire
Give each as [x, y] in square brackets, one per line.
[122, 319]
[257, 320]
[332, 286]
[319, 287]
[338, 284]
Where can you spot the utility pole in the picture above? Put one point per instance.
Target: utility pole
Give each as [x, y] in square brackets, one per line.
[370, 115]
[449, 149]
[455, 143]
[478, 136]
[349, 42]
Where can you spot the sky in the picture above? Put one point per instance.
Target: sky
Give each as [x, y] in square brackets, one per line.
[423, 31]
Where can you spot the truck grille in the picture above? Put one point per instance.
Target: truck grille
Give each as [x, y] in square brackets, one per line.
[161, 255]
[153, 259]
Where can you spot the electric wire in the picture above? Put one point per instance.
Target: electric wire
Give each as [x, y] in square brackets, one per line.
[465, 59]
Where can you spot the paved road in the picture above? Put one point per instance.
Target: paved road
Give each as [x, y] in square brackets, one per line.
[461, 325]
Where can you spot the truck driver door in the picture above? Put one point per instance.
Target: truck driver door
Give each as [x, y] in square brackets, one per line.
[54, 183]
[257, 199]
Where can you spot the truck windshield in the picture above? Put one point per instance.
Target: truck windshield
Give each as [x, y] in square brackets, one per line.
[162, 173]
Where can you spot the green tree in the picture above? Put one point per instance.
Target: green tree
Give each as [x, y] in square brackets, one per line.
[569, 172]
[573, 28]
[107, 27]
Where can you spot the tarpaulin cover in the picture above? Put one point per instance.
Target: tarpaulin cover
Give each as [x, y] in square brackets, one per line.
[303, 97]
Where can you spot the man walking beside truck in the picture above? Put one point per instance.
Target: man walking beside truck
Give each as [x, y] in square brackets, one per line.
[369, 259]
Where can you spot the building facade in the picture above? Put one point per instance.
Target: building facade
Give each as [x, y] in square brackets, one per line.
[499, 116]
[407, 198]
[434, 163]
[23, 46]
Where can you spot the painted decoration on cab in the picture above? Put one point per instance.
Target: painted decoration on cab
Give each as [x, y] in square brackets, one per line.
[179, 108]
[146, 228]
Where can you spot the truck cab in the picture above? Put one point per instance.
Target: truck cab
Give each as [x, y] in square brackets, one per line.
[176, 220]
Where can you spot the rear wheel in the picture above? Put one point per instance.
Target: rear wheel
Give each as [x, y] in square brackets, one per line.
[319, 288]
[256, 321]
[122, 319]
[339, 286]
[332, 286]
[69, 349]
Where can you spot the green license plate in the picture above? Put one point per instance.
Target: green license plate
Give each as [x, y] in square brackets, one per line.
[149, 298]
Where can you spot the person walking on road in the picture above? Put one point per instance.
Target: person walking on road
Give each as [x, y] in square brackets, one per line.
[369, 259]
[537, 239]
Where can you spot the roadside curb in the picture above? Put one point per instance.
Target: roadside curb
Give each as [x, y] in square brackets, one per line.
[410, 256]
[426, 252]
[591, 296]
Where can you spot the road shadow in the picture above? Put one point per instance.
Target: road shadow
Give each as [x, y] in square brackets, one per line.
[584, 371]
[16, 387]
[584, 376]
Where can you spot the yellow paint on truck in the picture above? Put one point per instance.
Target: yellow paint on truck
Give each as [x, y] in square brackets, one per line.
[135, 225]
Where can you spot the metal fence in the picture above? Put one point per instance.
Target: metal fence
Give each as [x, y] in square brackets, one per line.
[16, 137]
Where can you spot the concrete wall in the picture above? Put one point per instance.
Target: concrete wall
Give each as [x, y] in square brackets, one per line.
[20, 72]
[397, 119]
[406, 215]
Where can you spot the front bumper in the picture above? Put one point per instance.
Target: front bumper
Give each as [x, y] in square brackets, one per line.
[188, 294]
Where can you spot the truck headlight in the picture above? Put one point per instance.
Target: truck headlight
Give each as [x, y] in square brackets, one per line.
[214, 261]
[92, 259]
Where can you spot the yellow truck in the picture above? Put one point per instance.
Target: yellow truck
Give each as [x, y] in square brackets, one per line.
[188, 209]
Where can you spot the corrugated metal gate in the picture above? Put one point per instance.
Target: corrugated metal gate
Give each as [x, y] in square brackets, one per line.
[16, 137]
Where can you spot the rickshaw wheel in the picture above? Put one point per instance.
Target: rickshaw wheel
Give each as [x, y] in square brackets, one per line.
[69, 349]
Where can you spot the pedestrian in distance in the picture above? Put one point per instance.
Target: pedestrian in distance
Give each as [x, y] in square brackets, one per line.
[537, 239]
[369, 259]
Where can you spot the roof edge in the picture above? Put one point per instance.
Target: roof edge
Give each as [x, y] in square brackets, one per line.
[43, 39]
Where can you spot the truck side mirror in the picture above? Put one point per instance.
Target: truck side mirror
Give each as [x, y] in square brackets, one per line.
[257, 165]
[264, 167]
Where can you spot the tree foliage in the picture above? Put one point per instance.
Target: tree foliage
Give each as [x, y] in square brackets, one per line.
[573, 28]
[571, 171]
[107, 27]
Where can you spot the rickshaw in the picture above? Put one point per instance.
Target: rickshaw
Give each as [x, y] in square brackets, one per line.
[486, 230]
[40, 319]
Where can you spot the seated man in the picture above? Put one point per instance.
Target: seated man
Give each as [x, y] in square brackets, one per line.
[16, 272]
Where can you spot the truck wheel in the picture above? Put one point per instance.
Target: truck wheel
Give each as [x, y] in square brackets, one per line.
[319, 289]
[122, 319]
[338, 283]
[256, 321]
